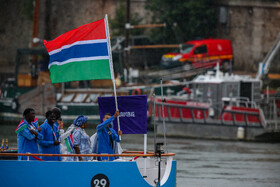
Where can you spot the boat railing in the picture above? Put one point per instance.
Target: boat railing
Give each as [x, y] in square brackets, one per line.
[240, 102]
[205, 117]
[126, 154]
[245, 114]
[271, 112]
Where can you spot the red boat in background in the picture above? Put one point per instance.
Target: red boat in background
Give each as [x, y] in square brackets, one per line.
[215, 105]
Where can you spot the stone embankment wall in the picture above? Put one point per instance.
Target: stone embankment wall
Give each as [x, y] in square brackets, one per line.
[252, 26]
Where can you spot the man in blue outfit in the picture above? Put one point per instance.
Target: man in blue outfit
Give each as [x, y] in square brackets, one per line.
[106, 136]
[50, 143]
[27, 134]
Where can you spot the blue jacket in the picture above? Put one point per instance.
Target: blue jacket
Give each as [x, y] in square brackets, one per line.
[27, 142]
[104, 143]
[46, 146]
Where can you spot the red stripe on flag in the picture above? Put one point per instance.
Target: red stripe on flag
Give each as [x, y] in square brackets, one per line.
[71, 137]
[91, 31]
[22, 121]
[35, 120]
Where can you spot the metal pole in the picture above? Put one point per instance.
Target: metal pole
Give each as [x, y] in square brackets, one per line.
[62, 88]
[159, 169]
[163, 117]
[35, 32]
[275, 114]
[155, 46]
[147, 26]
[267, 94]
[145, 152]
[112, 68]
[35, 29]
[154, 120]
[127, 25]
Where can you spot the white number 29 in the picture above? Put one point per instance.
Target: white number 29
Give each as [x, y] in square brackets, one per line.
[102, 182]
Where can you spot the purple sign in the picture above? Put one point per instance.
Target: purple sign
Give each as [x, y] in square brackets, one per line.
[133, 112]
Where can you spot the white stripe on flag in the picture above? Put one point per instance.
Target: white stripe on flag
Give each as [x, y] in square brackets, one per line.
[79, 59]
[77, 43]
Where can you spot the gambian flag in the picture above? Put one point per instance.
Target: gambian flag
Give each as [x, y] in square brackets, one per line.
[69, 142]
[22, 125]
[36, 122]
[81, 54]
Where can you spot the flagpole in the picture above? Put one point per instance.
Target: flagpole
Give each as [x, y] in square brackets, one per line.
[112, 67]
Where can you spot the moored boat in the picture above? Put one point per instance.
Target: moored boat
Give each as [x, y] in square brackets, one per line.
[217, 106]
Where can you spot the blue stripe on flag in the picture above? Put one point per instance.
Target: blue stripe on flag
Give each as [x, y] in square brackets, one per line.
[70, 142]
[79, 51]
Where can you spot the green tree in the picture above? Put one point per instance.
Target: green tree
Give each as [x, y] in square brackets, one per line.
[117, 25]
[185, 19]
[27, 8]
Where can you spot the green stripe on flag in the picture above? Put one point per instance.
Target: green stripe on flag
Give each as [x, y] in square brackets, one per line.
[82, 70]
[21, 128]
[67, 145]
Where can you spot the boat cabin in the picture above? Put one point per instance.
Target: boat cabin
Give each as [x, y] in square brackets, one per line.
[226, 89]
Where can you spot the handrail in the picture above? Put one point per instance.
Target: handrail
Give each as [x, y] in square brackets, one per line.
[137, 152]
[87, 155]
[245, 114]
[204, 119]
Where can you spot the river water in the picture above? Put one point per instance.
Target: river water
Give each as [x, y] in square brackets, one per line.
[207, 162]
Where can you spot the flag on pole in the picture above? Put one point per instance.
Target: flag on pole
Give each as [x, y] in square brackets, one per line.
[22, 125]
[35, 122]
[81, 54]
[133, 112]
[69, 143]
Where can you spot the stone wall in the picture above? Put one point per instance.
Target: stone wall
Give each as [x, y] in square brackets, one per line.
[252, 26]
[15, 32]
[56, 17]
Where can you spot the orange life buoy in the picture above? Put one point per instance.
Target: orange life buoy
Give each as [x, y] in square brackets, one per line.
[136, 91]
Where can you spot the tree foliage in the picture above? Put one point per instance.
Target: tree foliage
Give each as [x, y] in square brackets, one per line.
[184, 19]
[27, 7]
[117, 24]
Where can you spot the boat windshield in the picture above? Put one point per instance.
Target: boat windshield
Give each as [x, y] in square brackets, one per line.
[186, 48]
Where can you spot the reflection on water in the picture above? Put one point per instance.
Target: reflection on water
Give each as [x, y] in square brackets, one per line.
[207, 162]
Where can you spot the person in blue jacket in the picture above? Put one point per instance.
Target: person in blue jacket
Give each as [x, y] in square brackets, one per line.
[28, 134]
[81, 140]
[50, 143]
[106, 136]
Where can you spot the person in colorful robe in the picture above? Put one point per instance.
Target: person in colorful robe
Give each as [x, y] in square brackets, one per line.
[50, 142]
[66, 139]
[28, 134]
[81, 140]
[106, 136]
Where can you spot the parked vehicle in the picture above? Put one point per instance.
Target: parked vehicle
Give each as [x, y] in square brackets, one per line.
[201, 53]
